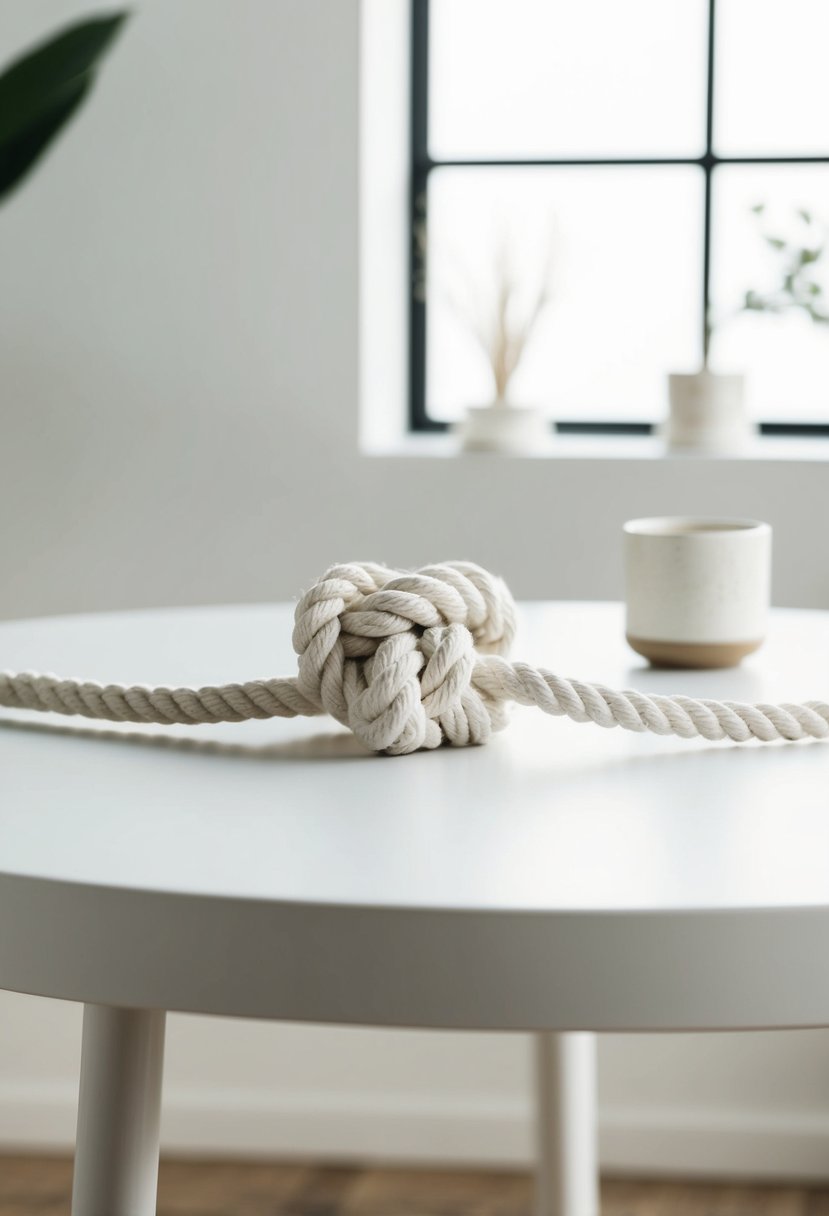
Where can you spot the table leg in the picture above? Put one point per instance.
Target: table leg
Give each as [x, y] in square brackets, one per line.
[116, 1153]
[567, 1179]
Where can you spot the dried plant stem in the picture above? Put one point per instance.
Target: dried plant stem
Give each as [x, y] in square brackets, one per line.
[500, 316]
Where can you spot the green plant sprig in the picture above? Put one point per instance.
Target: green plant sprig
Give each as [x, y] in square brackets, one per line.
[798, 288]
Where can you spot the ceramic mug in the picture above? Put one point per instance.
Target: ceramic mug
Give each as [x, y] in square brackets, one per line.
[696, 590]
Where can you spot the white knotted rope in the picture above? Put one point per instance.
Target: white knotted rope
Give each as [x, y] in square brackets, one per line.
[409, 661]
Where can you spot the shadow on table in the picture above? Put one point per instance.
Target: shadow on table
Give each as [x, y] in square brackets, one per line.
[551, 773]
[327, 745]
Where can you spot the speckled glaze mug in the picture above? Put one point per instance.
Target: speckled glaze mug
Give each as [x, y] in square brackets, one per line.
[696, 590]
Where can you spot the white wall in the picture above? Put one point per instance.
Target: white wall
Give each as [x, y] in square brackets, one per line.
[178, 424]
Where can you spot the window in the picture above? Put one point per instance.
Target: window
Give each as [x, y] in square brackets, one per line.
[656, 164]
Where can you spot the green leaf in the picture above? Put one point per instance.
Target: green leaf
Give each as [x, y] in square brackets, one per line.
[18, 156]
[805, 215]
[776, 242]
[40, 91]
[758, 208]
[819, 318]
[809, 255]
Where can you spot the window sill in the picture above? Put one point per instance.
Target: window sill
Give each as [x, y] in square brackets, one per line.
[609, 447]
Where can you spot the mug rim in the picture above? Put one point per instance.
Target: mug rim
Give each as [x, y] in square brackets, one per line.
[675, 526]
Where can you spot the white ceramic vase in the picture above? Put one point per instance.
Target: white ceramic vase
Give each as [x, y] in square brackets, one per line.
[707, 412]
[514, 430]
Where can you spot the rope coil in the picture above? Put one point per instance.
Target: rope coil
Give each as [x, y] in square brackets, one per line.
[411, 660]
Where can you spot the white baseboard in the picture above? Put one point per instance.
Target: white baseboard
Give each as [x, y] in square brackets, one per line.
[411, 1130]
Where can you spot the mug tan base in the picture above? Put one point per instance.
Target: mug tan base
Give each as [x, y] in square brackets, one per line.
[693, 654]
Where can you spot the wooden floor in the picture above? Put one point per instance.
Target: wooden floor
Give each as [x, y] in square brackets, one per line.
[41, 1186]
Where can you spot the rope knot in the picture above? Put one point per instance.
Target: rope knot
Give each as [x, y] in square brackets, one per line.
[391, 654]
[411, 660]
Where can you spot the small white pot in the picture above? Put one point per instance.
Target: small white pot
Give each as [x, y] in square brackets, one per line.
[696, 589]
[707, 412]
[514, 430]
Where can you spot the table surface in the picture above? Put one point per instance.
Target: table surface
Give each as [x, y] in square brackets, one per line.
[564, 876]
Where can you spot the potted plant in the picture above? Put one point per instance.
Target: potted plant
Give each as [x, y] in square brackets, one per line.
[501, 312]
[503, 321]
[42, 90]
[707, 409]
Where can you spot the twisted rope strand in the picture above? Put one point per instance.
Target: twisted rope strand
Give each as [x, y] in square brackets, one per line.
[409, 661]
[160, 706]
[635, 711]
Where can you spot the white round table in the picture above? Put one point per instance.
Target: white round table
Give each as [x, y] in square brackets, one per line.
[563, 879]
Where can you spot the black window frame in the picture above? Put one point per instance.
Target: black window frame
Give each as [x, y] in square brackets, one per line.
[422, 164]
